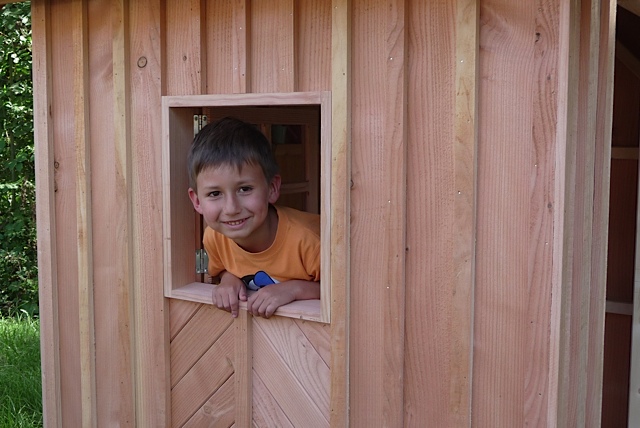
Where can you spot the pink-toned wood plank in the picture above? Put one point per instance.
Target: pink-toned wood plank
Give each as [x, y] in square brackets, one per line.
[185, 50]
[266, 410]
[218, 411]
[227, 37]
[64, 184]
[150, 309]
[300, 356]
[319, 335]
[45, 213]
[181, 311]
[313, 45]
[283, 384]
[111, 179]
[273, 46]
[512, 224]
[204, 378]
[203, 329]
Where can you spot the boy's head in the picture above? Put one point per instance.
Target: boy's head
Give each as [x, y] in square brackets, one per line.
[230, 142]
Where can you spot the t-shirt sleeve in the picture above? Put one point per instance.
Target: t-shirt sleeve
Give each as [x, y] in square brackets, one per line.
[215, 266]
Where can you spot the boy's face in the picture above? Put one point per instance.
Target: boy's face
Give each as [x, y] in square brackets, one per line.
[236, 203]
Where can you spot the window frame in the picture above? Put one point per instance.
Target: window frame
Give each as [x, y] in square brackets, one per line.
[180, 233]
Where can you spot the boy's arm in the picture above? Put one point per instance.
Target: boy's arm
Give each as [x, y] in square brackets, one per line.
[228, 293]
[265, 301]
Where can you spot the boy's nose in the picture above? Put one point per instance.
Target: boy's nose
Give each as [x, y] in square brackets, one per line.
[231, 205]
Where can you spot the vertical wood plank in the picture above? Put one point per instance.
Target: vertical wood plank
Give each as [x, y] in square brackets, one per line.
[84, 233]
[313, 45]
[583, 221]
[464, 153]
[602, 184]
[340, 209]
[241, 47]
[219, 27]
[243, 368]
[186, 49]
[150, 313]
[273, 46]
[431, 346]
[61, 112]
[110, 172]
[506, 169]
[393, 275]
[569, 43]
[46, 213]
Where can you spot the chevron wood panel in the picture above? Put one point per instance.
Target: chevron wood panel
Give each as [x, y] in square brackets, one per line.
[218, 411]
[202, 380]
[181, 312]
[266, 410]
[286, 361]
[195, 338]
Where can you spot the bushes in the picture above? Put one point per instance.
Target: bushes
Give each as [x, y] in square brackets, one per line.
[18, 264]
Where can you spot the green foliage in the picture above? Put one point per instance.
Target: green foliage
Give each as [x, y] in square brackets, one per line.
[18, 265]
[20, 381]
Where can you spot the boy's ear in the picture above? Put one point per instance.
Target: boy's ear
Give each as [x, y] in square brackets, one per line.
[193, 195]
[274, 188]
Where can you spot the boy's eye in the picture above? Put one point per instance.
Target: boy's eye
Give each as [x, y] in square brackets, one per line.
[245, 189]
[214, 194]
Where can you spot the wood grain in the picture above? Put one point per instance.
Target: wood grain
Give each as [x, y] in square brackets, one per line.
[218, 411]
[46, 212]
[207, 375]
[339, 214]
[150, 309]
[111, 179]
[273, 46]
[280, 380]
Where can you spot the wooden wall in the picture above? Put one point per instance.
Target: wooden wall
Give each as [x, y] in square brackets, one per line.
[475, 136]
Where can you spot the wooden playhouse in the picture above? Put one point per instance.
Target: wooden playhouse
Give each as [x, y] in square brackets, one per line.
[458, 152]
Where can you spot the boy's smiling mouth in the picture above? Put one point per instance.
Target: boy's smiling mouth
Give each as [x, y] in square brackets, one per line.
[235, 222]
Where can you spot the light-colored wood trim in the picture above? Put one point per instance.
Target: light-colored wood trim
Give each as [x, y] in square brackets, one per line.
[628, 59]
[605, 39]
[150, 310]
[46, 214]
[340, 209]
[199, 292]
[243, 368]
[176, 116]
[631, 5]
[393, 243]
[564, 209]
[464, 227]
[84, 239]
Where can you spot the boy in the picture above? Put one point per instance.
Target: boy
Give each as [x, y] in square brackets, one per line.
[234, 182]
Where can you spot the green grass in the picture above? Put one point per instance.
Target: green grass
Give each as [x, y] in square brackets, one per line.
[20, 380]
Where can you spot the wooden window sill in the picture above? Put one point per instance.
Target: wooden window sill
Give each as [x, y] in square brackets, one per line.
[201, 292]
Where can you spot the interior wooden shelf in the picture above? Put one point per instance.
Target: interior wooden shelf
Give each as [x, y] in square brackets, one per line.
[201, 292]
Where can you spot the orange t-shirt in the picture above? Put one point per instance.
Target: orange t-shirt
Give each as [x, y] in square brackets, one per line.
[294, 254]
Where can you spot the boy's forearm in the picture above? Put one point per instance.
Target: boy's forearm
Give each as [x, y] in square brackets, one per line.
[305, 290]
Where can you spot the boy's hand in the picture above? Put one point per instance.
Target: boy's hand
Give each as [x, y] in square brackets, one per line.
[228, 294]
[267, 300]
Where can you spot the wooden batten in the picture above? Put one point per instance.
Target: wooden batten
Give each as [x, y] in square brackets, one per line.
[339, 217]
[84, 234]
[602, 185]
[46, 214]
